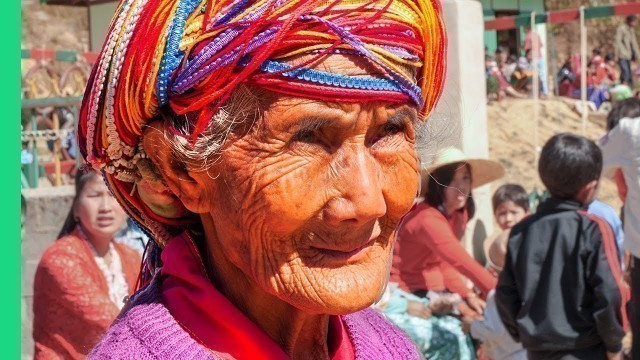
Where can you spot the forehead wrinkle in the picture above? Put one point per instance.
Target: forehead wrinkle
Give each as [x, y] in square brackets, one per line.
[312, 114]
[313, 123]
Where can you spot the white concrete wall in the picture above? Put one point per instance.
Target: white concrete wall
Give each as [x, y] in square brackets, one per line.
[100, 16]
[460, 119]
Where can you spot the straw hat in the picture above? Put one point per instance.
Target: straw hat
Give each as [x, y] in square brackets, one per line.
[495, 248]
[483, 171]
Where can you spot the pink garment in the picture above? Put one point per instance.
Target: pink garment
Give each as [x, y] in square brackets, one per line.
[428, 254]
[206, 313]
[533, 41]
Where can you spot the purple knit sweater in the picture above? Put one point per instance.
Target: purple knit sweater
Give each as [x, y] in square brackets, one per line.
[146, 330]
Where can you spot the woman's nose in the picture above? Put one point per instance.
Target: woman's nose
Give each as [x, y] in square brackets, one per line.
[105, 203]
[360, 198]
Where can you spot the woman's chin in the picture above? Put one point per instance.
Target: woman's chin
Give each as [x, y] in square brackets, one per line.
[338, 291]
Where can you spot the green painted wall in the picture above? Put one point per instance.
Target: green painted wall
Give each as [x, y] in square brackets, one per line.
[522, 6]
[527, 6]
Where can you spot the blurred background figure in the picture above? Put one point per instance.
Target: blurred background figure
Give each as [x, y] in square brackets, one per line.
[428, 259]
[626, 48]
[83, 277]
[621, 163]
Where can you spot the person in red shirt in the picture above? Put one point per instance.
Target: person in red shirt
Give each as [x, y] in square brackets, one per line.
[428, 256]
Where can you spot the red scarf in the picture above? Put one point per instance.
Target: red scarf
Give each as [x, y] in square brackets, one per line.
[213, 320]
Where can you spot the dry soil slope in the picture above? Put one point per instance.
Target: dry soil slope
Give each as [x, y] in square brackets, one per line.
[511, 138]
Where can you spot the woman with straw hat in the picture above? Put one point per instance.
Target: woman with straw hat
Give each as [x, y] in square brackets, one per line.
[428, 256]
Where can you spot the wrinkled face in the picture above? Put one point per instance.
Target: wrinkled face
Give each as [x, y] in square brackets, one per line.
[458, 191]
[98, 211]
[508, 214]
[309, 198]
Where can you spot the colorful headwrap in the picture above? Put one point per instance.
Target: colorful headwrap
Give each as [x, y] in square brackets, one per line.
[188, 56]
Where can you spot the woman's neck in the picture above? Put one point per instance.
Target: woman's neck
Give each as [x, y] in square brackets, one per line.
[299, 334]
[100, 244]
[449, 211]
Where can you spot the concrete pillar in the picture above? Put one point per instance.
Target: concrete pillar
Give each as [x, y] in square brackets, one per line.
[460, 119]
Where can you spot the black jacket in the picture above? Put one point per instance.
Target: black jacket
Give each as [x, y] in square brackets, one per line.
[559, 290]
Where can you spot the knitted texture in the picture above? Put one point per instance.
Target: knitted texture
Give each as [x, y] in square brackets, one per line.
[146, 330]
[71, 303]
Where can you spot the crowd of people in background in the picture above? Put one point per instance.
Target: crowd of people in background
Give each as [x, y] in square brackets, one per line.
[610, 75]
[511, 75]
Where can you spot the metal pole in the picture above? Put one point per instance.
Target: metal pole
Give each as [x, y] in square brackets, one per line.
[583, 71]
[535, 86]
[554, 63]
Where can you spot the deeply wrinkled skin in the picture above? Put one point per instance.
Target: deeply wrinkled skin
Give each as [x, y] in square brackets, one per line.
[300, 210]
[307, 197]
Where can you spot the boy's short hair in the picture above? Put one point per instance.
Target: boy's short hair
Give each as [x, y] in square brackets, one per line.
[511, 192]
[567, 163]
[627, 108]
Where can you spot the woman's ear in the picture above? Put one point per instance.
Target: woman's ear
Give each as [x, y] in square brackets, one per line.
[168, 174]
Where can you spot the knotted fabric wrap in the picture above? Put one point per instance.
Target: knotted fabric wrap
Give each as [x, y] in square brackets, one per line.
[187, 56]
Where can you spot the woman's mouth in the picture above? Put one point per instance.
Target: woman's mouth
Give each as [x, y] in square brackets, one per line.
[104, 220]
[350, 252]
[345, 254]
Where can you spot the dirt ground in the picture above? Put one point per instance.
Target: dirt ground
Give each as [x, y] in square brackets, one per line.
[511, 138]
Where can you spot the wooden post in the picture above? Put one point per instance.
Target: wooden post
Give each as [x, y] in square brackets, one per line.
[583, 71]
[535, 55]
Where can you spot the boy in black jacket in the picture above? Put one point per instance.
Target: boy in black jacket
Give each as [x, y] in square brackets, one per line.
[561, 292]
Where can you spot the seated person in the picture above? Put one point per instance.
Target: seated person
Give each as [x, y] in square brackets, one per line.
[498, 84]
[428, 256]
[430, 323]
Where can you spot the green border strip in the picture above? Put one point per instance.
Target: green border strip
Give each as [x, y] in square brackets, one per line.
[10, 309]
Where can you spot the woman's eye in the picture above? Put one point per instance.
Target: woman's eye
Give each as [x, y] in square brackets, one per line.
[305, 136]
[390, 129]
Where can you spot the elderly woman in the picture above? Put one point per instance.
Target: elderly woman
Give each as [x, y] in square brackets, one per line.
[269, 149]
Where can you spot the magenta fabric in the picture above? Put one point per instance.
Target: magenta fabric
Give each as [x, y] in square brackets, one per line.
[147, 330]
